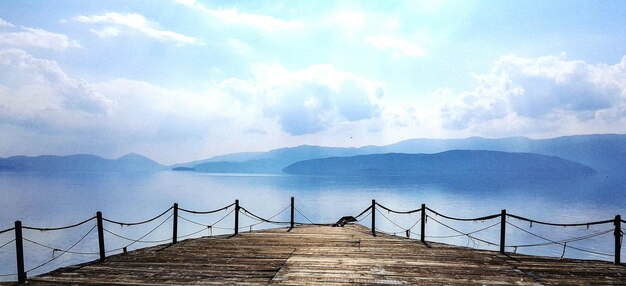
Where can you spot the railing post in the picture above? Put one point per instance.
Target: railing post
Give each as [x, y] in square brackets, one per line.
[502, 230]
[423, 224]
[292, 213]
[175, 224]
[236, 217]
[373, 217]
[618, 238]
[19, 253]
[100, 236]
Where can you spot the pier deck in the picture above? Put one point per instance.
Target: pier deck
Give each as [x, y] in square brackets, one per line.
[324, 255]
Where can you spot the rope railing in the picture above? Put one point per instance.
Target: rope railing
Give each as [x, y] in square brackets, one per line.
[587, 224]
[305, 217]
[55, 249]
[398, 212]
[488, 217]
[207, 225]
[193, 233]
[617, 221]
[468, 235]
[139, 222]
[369, 212]
[7, 243]
[140, 239]
[7, 230]
[269, 220]
[62, 251]
[262, 220]
[59, 228]
[206, 212]
[397, 225]
[363, 212]
[563, 242]
[462, 233]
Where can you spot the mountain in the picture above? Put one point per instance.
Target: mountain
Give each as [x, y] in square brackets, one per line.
[605, 153]
[457, 164]
[266, 162]
[79, 163]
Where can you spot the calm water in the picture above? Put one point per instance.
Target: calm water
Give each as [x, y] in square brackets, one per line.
[49, 200]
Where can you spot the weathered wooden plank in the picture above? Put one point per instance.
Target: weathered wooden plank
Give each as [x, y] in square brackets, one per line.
[323, 255]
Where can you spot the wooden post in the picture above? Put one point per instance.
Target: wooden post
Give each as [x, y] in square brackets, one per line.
[373, 217]
[19, 252]
[502, 230]
[100, 236]
[236, 217]
[292, 213]
[175, 224]
[618, 238]
[423, 224]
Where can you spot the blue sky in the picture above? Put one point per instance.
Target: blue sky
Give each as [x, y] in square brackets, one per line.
[184, 80]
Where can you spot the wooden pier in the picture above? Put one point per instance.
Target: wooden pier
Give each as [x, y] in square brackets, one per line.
[325, 255]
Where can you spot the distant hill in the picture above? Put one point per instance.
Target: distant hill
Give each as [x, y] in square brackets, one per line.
[444, 166]
[605, 153]
[79, 163]
[266, 162]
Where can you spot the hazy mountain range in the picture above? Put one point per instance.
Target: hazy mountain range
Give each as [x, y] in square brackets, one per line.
[79, 163]
[456, 164]
[605, 154]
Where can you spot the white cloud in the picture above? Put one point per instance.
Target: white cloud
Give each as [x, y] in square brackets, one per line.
[62, 114]
[308, 101]
[234, 17]
[115, 22]
[543, 94]
[36, 93]
[4, 23]
[397, 46]
[34, 38]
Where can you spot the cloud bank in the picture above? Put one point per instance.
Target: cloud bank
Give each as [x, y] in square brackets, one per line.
[550, 93]
[26, 37]
[313, 99]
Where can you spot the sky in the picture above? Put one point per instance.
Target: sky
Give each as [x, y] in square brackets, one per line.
[181, 80]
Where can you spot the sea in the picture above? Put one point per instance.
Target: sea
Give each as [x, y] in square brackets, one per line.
[49, 200]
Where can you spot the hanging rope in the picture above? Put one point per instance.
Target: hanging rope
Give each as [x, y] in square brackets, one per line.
[133, 241]
[58, 228]
[262, 220]
[399, 226]
[54, 249]
[465, 219]
[207, 225]
[469, 235]
[7, 243]
[587, 224]
[464, 234]
[399, 212]
[363, 218]
[193, 233]
[62, 251]
[140, 222]
[310, 221]
[246, 212]
[7, 230]
[563, 242]
[206, 212]
[364, 211]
